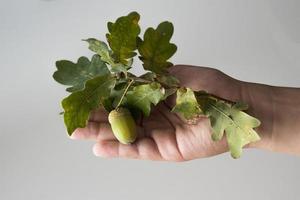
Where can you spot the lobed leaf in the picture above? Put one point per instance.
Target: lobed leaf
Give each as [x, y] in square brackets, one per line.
[142, 96]
[122, 37]
[101, 49]
[237, 125]
[78, 105]
[186, 104]
[167, 80]
[156, 48]
[149, 76]
[106, 55]
[76, 74]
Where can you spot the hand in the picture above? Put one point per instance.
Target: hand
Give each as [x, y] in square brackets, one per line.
[165, 135]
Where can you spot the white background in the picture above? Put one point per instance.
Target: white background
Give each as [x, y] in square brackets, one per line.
[257, 41]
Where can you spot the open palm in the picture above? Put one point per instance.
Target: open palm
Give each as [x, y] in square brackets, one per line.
[165, 135]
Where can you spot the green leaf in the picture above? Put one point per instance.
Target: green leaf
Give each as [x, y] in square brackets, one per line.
[122, 37]
[149, 76]
[107, 104]
[156, 48]
[167, 80]
[186, 104]
[101, 49]
[119, 67]
[142, 96]
[224, 117]
[106, 55]
[78, 105]
[76, 74]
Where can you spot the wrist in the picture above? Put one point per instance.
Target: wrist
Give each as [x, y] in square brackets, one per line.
[279, 112]
[286, 115]
[259, 97]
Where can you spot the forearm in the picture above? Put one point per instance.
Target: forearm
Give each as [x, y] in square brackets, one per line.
[278, 108]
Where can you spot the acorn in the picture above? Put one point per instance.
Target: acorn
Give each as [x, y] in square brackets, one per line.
[123, 125]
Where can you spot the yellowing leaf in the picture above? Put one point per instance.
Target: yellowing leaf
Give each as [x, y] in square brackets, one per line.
[78, 105]
[76, 74]
[122, 37]
[156, 48]
[186, 104]
[142, 96]
[224, 117]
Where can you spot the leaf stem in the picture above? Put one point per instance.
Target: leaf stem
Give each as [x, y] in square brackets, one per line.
[138, 79]
[142, 80]
[222, 99]
[203, 94]
[125, 91]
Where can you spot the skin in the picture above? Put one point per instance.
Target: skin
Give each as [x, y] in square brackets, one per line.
[165, 136]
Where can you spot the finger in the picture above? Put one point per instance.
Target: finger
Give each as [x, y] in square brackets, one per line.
[160, 119]
[99, 131]
[99, 115]
[94, 131]
[113, 148]
[171, 117]
[144, 148]
[167, 144]
[170, 102]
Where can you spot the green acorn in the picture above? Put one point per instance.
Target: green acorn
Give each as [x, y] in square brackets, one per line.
[123, 125]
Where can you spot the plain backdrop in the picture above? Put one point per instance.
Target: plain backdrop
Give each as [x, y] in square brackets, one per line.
[257, 41]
